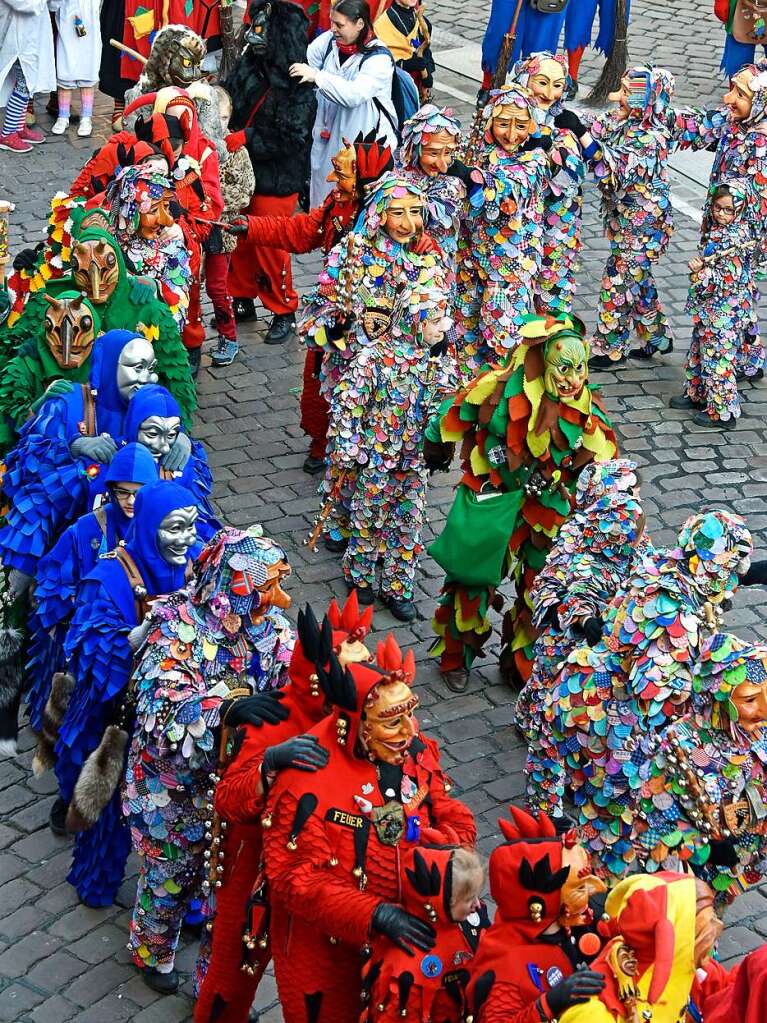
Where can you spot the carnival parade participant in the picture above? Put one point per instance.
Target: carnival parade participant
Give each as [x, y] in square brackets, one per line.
[579, 26]
[238, 183]
[27, 66]
[139, 203]
[406, 32]
[520, 465]
[500, 255]
[426, 158]
[626, 685]
[699, 805]
[240, 947]
[351, 307]
[58, 463]
[333, 840]
[592, 556]
[377, 455]
[144, 21]
[57, 580]
[61, 353]
[656, 964]
[78, 54]
[153, 419]
[352, 73]
[532, 962]
[356, 166]
[107, 627]
[721, 301]
[273, 116]
[742, 154]
[544, 75]
[211, 659]
[636, 139]
[536, 30]
[442, 887]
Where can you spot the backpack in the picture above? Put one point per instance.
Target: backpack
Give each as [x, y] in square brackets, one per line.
[404, 92]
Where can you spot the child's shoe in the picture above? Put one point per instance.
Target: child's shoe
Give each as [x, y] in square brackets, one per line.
[85, 128]
[60, 125]
[225, 352]
[14, 143]
[34, 136]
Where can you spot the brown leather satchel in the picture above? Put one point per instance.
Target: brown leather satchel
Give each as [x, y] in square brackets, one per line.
[548, 6]
[749, 23]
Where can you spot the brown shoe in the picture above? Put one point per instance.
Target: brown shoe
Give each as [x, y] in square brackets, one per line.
[456, 680]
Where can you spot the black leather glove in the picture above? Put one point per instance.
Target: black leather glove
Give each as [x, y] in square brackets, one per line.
[593, 629]
[255, 710]
[723, 853]
[27, 258]
[569, 121]
[439, 348]
[403, 929]
[543, 142]
[303, 752]
[175, 208]
[413, 64]
[756, 575]
[339, 328]
[574, 990]
[551, 617]
[459, 170]
[437, 456]
[483, 95]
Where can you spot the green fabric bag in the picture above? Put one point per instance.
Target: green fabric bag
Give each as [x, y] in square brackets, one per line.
[472, 547]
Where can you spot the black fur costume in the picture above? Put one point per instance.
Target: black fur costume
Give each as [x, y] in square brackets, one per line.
[279, 132]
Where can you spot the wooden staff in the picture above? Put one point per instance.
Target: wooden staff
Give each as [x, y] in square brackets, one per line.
[127, 49]
[319, 523]
[5, 209]
[229, 39]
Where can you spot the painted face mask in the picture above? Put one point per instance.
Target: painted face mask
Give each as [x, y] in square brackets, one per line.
[547, 81]
[136, 366]
[750, 701]
[257, 32]
[403, 218]
[388, 724]
[70, 331]
[159, 433]
[437, 153]
[580, 885]
[177, 534]
[509, 117]
[566, 372]
[344, 173]
[154, 212]
[186, 63]
[96, 270]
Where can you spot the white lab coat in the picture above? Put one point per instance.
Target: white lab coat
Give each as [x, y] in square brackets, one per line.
[77, 57]
[345, 106]
[26, 36]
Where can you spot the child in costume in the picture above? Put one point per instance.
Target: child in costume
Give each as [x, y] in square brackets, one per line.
[352, 305]
[139, 202]
[527, 427]
[211, 658]
[27, 66]
[379, 408]
[722, 304]
[704, 783]
[442, 887]
[610, 694]
[636, 139]
[406, 31]
[532, 962]
[593, 554]
[500, 253]
[544, 75]
[78, 55]
[107, 627]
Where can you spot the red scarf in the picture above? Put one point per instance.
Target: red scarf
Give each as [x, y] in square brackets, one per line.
[349, 49]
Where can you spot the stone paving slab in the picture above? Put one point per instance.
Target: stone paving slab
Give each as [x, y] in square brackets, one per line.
[62, 962]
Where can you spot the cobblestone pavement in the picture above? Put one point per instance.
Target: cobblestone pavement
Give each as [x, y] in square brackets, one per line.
[60, 961]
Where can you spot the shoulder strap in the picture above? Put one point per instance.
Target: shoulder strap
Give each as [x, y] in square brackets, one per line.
[87, 425]
[135, 581]
[100, 515]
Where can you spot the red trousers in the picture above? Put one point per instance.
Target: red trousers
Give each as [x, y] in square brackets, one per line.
[314, 408]
[194, 329]
[262, 272]
[216, 285]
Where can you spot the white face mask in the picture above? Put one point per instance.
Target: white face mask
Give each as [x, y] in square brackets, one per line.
[159, 433]
[136, 366]
[177, 534]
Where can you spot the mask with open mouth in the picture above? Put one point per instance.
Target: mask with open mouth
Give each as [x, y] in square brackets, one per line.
[388, 723]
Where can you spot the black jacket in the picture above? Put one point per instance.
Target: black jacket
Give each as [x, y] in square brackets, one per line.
[276, 112]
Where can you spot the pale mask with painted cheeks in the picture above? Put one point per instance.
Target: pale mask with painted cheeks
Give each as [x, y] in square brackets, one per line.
[156, 217]
[437, 153]
[136, 366]
[159, 433]
[511, 127]
[580, 885]
[403, 219]
[740, 97]
[548, 83]
[177, 534]
[124, 496]
[566, 368]
[388, 724]
[750, 701]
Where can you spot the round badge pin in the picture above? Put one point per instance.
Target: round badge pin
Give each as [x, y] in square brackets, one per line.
[431, 966]
[554, 976]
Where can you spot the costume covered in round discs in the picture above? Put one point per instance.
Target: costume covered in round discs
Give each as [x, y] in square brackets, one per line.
[526, 427]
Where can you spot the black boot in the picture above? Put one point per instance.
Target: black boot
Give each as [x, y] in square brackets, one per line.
[313, 465]
[194, 355]
[57, 818]
[244, 309]
[162, 983]
[403, 610]
[280, 329]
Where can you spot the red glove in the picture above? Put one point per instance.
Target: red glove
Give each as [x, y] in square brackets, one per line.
[424, 244]
[235, 140]
[440, 836]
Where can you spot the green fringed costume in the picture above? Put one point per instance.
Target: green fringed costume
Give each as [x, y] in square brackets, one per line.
[527, 427]
[133, 305]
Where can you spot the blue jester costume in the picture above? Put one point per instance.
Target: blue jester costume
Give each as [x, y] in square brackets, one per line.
[638, 677]
[536, 30]
[111, 602]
